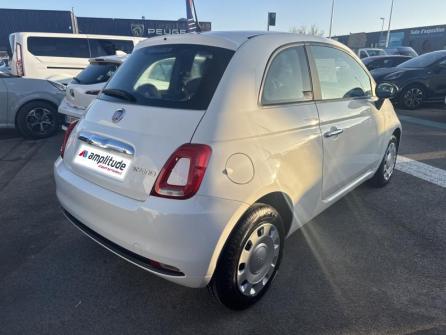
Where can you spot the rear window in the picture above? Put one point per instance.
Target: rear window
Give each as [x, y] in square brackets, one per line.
[105, 47]
[96, 73]
[59, 47]
[174, 76]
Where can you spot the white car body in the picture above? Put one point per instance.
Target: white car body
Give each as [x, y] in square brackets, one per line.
[258, 151]
[60, 57]
[79, 96]
[370, 52]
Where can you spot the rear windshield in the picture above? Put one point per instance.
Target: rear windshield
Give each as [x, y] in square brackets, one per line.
[182, 76]
[372, 52]
[96, 73]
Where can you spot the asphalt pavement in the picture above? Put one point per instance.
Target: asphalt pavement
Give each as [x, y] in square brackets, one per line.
[374, 263]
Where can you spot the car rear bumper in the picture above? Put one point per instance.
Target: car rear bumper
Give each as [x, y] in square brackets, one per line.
[67, 108]
[185, 235]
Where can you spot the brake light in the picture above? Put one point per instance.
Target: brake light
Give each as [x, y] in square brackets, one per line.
[181, 176]
[19, 60]
[66, 137]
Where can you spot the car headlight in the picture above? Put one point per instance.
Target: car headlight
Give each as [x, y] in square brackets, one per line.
[394, 75]
[59, 86]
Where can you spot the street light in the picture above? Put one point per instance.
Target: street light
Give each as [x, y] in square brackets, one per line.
[390, 22]
[331, 18]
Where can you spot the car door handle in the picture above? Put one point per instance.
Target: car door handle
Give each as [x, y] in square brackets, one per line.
[333, 132]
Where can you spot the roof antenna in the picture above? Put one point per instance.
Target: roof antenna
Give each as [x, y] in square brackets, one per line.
[192, 22]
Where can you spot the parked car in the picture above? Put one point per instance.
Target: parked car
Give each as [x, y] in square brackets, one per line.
[86, 86]
[378, 62]
[201, 180]
[421, 79]
[30, 105]
[60, 57]
[403, 51]
[4, 67]
[370, 52]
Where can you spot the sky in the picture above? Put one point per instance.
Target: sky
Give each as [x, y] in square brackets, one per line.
[351, 16]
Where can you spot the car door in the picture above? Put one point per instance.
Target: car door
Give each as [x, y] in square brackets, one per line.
[348, 120]
[3, 102]
[437, 79]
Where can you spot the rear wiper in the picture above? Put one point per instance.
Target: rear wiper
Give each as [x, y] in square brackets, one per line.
[121, 94]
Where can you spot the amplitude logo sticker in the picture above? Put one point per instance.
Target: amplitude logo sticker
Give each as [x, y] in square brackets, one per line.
[111, 165]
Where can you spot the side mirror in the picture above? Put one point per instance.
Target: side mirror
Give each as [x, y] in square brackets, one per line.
[386, 91]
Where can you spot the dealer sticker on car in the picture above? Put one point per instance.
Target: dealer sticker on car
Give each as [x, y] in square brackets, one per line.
[111, 165]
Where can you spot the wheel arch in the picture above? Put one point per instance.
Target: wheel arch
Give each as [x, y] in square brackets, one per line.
[31, 101]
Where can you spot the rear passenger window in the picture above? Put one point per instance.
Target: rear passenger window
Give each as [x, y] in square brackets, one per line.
[58, 47]
[105, 47]
[340, 76]
[288, 78]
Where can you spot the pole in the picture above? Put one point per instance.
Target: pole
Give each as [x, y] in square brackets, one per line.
[390, 23]
[331, 19]
[267, 22]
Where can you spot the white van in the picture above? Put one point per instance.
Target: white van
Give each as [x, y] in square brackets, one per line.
[60, 57]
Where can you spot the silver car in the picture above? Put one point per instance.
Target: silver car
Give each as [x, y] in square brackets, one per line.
[30, 105]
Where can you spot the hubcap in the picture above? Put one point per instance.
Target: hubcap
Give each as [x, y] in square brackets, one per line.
[413, 97]
[39, 120]
[258, 259]
[390, 161]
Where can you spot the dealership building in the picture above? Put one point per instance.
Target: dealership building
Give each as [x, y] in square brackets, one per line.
[422, 39]
[51, 21]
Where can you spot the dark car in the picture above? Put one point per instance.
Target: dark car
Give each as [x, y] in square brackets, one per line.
[378, 62]
[420, 79]
[403, 51]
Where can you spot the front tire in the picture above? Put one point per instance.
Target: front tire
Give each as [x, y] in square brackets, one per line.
[385, 171]
[413, 97]
[250, 258]
[37, 119]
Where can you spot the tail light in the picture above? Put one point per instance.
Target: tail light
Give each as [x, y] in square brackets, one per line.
[66, 137]
[181, 176]
[19, 60]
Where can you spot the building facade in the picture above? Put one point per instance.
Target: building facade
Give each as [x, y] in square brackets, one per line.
[422, 39]
[51, 21]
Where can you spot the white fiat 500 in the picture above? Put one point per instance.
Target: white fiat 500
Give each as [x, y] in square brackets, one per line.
[205, 151]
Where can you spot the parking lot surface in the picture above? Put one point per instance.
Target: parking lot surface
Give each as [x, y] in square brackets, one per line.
[374, 263]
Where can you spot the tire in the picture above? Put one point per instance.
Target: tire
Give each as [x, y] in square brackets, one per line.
[38, 119]
[240, 280]
[413, 97]
[385, 171]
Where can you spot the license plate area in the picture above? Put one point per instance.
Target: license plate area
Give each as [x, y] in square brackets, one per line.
[106, 163]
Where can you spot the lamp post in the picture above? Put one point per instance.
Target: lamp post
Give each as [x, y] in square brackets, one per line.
[390, 23]
[331, 18]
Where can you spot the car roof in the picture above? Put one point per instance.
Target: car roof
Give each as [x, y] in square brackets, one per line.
[228, 39]
[386, 56]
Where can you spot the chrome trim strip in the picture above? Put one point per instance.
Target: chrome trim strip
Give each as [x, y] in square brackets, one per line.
[106, 143]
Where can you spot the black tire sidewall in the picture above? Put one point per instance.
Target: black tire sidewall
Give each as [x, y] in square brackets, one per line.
[378, 179]
[24, 110]
[224, 283]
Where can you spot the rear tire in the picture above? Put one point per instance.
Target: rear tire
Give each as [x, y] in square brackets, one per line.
[413, 97]
[250, 258]
[38, 119]
[385, 171]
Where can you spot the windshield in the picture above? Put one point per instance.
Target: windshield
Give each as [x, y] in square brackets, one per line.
[96, 73]
[176, 76]
[423, 60]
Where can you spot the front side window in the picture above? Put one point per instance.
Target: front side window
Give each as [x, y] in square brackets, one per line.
[288, 79]
[340, 76]
[175, 76]
[106, 47]
[96, 73]
[59, 47]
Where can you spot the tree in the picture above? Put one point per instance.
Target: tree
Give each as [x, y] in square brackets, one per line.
[303, 30]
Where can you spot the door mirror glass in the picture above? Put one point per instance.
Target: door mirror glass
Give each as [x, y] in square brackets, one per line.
[386, 91]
